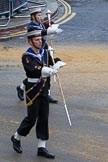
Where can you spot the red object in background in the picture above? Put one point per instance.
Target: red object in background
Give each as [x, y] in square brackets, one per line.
[46, 23]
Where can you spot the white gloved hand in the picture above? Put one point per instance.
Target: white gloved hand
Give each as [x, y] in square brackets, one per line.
[58, 65]
[51, 51]
[53, 29]
[59, 30]
[46, 71]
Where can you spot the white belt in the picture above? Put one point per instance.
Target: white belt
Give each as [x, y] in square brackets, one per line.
[33, 80]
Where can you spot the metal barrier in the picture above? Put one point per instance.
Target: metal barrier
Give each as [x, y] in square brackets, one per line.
[4, 7]
[9, 7]
[30, 4]
[4, 12]
[16, 5]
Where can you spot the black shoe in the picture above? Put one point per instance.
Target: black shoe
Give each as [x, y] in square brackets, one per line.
[20, 93]
[51, 100]
[44, 152]
[16, 145]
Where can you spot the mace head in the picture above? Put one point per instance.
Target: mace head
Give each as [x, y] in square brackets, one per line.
[48, 12]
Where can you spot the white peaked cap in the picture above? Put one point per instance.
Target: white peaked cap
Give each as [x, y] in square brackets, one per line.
[34, 33]
[35, 10]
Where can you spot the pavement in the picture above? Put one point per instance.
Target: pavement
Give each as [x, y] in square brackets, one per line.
[22, 19]
[84, 81]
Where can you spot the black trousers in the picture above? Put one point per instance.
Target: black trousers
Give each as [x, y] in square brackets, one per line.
[37, 114]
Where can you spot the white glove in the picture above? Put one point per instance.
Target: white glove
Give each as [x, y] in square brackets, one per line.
[59, 30]
[46, 71]
[53, 29]
[58, 65]
[51, 51]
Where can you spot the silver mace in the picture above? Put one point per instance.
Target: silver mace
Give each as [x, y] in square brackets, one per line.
[58, 79]
[48, 13]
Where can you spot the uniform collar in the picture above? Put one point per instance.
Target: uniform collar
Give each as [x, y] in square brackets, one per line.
[38, 55]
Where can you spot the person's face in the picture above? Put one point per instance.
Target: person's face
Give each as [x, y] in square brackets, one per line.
[36, 42]
[38, 17]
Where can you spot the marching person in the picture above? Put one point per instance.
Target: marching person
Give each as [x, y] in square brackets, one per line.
[36, 22]
[36, 62]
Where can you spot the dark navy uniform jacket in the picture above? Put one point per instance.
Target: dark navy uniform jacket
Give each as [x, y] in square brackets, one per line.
[38, 26]
[33, 64]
